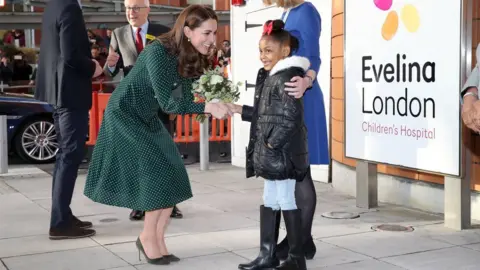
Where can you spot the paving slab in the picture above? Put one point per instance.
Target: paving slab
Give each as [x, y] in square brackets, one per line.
[326, 255]
[391, 214]
[192, 209]
[19, 217]
[123, 268]
[40, 187]
[81, 206]
[236, 239]
[443, 259]
[362, 265]
[213, 223]
[326, 227]
[220, 229]
[94, 258]
[6, 189]
[473, 246]
[23, 171]
[202, 188]
[385, 244]
[115, 228]
[230, 201]
[441, 233]
[183, 246]
[30, 245]
[222, 261]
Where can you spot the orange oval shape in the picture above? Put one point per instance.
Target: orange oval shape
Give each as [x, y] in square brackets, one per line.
[390, 26]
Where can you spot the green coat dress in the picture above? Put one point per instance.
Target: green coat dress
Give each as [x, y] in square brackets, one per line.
[135, 162]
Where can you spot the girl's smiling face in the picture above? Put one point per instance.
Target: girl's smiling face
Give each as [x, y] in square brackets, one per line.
[271, 51]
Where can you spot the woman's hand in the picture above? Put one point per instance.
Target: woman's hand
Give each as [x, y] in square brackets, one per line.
[297, 86]
[218, 110]
[235, 108]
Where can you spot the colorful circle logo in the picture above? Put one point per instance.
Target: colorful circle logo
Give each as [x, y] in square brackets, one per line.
[409, 16]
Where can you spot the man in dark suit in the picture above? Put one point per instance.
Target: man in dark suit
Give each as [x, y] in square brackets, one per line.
[64, 80]
[126, 43]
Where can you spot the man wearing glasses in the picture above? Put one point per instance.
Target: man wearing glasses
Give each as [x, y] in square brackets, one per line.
[126, 44]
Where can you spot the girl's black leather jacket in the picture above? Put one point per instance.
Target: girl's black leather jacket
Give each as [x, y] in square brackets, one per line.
[278, 146]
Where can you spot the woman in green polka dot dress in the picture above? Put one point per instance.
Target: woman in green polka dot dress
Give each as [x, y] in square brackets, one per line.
[135, 163]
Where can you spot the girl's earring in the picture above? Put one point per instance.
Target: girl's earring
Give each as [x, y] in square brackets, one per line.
[189, 40]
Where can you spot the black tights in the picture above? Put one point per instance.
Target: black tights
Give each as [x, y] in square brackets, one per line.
[306, 199]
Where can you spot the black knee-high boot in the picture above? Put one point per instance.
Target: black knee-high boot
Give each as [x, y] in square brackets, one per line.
[306, 199]
[296, 258]
[269, 226]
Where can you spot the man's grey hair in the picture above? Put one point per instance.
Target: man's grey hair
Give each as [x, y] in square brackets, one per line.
[147, 3]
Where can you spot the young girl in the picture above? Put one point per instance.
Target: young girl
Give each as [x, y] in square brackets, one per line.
[278, 149]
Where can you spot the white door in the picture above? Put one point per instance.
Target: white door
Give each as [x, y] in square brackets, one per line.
[247, 27]
[253, 32]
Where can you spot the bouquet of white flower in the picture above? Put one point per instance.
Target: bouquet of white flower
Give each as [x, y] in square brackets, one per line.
[212, 86]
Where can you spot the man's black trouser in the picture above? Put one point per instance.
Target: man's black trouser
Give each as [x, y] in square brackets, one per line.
[71, 128]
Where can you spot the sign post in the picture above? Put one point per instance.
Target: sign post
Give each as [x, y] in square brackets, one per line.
[3, 138]
[204, 146]
[403, 76]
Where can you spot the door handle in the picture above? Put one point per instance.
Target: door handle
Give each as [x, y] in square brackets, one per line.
[249, 85]
[251, 25]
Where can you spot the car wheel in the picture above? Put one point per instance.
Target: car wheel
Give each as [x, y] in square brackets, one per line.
[36, 141]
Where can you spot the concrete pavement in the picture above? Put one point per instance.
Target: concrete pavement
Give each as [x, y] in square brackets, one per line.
[220, 230]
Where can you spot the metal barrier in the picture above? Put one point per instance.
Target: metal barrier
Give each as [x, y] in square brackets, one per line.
[187, 129]
[187, 133]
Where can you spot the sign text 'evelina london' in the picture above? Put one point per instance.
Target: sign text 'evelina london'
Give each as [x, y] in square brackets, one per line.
[405, 105]
[400, 72]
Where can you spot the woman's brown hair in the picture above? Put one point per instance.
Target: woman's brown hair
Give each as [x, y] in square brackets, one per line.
[191, 63]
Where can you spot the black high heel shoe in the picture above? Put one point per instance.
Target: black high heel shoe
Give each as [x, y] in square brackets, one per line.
[157, 261]
[172, 258]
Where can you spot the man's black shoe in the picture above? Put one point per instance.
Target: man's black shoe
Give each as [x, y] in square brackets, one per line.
[70, 233]
[81, 224]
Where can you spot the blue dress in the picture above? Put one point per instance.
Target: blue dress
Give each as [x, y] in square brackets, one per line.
[304, 23]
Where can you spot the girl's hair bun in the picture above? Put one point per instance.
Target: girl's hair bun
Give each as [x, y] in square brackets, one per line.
[276, 30]
[273, 26]
[278, 25]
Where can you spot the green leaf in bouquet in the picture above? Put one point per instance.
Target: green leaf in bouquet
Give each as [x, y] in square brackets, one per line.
[204, 79]
[201, 118]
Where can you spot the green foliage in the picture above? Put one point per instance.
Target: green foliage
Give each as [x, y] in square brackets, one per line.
[212, 86]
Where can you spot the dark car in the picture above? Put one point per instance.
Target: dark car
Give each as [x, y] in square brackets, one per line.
[30, 128]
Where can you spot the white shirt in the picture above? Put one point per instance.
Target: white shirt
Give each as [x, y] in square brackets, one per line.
[143, 33]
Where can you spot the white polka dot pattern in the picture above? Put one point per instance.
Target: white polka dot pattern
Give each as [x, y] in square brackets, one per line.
[135, 163]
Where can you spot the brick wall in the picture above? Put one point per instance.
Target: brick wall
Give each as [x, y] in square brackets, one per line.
[175, 3]
[223, 31]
